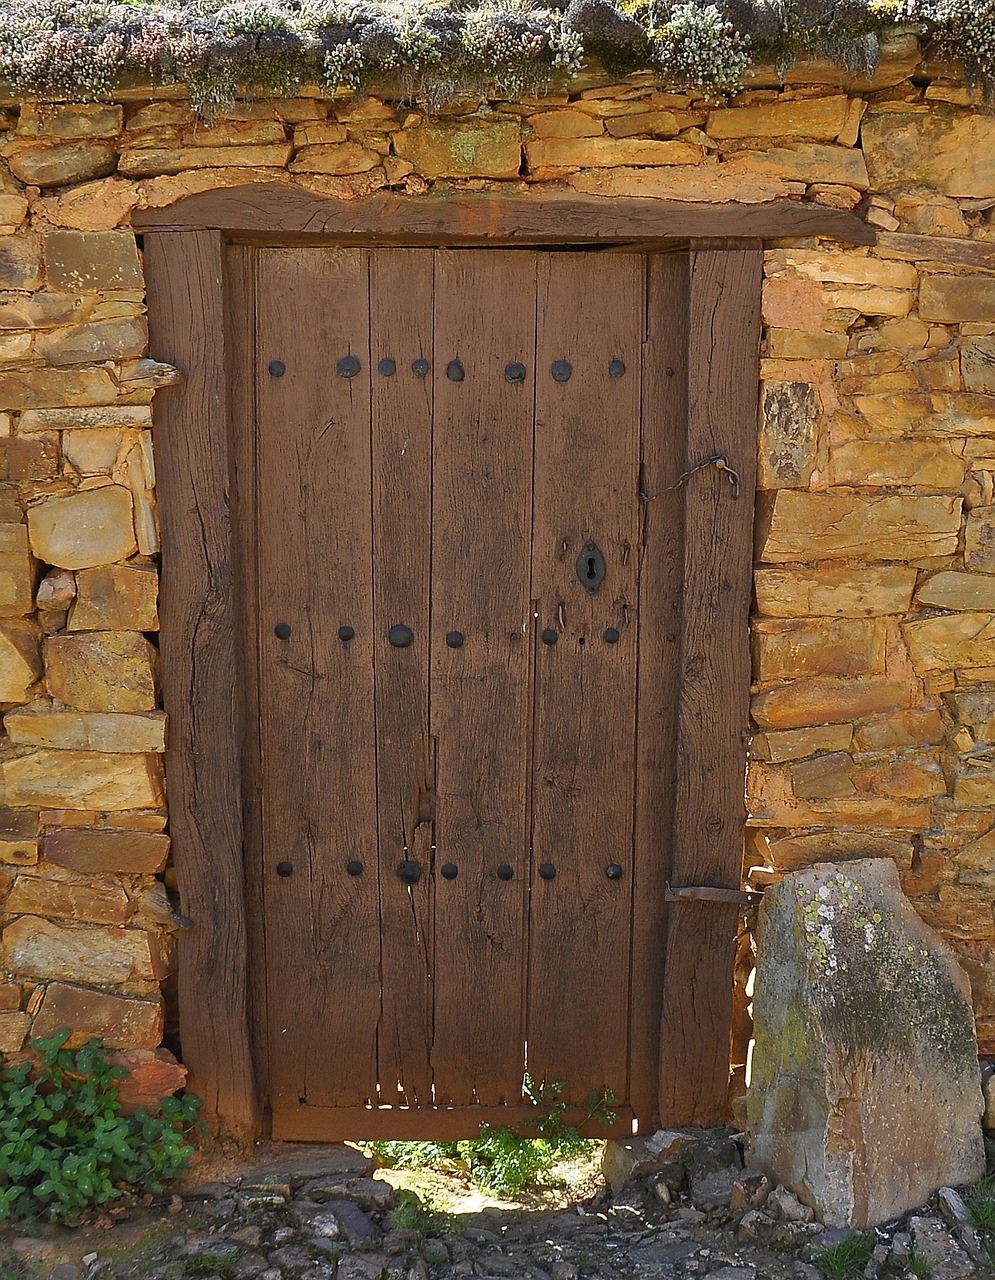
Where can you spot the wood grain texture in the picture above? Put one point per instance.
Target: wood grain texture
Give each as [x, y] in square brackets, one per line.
[661, 560]
[277, 211]
[199, 674]
[401, 294]
[240, 363]
[481, 527]
[591, 312]
[319, 764]
[714, 682]
[426, 1124]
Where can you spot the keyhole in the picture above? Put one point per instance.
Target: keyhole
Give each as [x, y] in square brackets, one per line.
[591, 566]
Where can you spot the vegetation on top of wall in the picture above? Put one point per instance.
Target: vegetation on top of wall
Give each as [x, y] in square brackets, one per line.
[441, 48]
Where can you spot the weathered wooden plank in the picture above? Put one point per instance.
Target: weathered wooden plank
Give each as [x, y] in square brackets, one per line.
[199, 673]
[590, 313]
[715, 678]
[481, 690]
[661, 560]
[240, 342]
[401, 287]
[280, 210]
[318, 754]
[426, 1124]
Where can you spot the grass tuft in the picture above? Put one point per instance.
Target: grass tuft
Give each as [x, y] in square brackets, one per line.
[846, 1260]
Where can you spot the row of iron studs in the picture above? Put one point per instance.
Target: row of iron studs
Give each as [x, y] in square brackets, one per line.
[349, 366]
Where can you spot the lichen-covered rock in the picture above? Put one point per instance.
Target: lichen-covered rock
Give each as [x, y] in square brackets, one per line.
[477, 149]
[866, 1094]
[101, 671]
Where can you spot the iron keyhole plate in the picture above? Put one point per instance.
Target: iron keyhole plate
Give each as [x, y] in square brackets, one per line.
[591, 567]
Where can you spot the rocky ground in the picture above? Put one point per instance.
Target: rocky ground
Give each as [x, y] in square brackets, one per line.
[330, 1214]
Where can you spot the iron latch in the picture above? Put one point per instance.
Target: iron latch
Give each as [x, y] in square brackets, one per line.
[708, 893]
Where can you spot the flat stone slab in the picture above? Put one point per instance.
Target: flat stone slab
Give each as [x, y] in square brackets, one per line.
[865, 1096]
[278, 1165]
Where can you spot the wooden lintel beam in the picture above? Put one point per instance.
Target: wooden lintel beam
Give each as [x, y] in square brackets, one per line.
[284, 213]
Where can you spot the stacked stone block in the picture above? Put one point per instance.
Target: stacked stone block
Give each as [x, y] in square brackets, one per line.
[874, 635]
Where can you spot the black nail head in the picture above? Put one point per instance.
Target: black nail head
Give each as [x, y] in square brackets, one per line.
[449, 871]
[355, 867]
[346, 633]
[388, 367]
[547, 871]
[561, 370]
[277, 368]
[504, 872]
[454, 639]
[400, 636]
[614, 872]
[617, 368]
[409, 871]
[348, 367]
[514, 372]
[284, 869]
[549, 636]
[611, 635]
[419, 368]
[282, 631]
[455, 371]
[669, 372]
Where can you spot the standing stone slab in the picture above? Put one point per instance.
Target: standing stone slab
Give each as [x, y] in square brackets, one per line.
[865, 1095]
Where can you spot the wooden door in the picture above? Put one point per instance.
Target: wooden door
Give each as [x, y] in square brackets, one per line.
[467, 566]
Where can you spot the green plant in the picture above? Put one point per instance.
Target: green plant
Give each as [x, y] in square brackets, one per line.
[502, 1161]
[65, 1147]
[417, 1213]
[980, 1201]
[919, 1266]
[846, 1260]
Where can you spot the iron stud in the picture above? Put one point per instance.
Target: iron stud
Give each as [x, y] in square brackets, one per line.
[419, 368]
[449, 871]
[616, 368]
[346, 633]
[283, 631]
[561, 370]
[549, 636]
[514, 372]
[277, 368]
[611, 635]
[348, 367]
[454, 639]
[614, 871]
[354, 867]
[400, 636]
[387, 367]
[455, 371]
[505, 872]
[547, 871]
[409, 872]
[284, 869]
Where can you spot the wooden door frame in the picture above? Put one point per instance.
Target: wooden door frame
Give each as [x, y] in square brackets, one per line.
[205, 516]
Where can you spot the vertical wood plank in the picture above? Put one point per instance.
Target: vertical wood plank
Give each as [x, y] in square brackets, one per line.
[401, 285]
[715, 682]
[661, 559]
[199, 672]
[481, 528]
[318, 758]
[591, 312]
[240, 340]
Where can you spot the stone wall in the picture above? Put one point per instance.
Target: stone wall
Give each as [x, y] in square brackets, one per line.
[875, 628]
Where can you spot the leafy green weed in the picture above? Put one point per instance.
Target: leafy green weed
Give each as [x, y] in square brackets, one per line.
[65, 1147]
[846, 1260]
